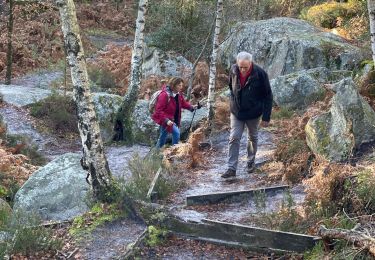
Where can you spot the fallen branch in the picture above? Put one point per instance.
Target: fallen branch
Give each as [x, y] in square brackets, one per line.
[357, 238]
[153, 183]
[130, 252]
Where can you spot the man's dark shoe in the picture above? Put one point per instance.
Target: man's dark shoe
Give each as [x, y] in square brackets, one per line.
[250, 167]
[229, 173]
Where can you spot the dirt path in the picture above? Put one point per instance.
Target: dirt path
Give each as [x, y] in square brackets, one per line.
[208, 180]
[110, 241]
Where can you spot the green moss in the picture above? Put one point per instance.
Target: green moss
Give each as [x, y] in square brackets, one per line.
[156, 236]
[98, 215]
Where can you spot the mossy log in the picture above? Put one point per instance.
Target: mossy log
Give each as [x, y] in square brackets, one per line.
[227, 234]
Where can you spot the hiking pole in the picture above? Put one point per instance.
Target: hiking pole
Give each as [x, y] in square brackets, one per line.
[192, 119]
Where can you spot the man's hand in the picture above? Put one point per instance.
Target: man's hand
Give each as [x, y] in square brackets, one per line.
[169, 123]
[264, 124]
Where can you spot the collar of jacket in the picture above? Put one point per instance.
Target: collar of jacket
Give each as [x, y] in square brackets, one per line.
[254, 72]
[170, 92]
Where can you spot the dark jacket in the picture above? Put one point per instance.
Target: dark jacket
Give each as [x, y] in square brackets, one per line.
[254, 99]
[165, 108]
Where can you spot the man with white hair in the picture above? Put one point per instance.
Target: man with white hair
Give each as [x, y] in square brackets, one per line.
[250, 105]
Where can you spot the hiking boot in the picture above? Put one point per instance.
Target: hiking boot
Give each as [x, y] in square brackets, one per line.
[229, 173]
[250, 167]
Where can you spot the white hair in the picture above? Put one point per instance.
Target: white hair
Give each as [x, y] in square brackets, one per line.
[243, 55]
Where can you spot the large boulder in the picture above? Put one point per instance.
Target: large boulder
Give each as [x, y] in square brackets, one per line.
[22, 95]
[285, 45]
[57, 191]
[164, 64]
[106, 107]
[300, 89]
[349, 123]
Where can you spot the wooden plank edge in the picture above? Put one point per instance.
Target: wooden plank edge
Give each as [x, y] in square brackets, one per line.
[214, 198]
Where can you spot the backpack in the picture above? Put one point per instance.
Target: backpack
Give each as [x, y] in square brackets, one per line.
[153, 100]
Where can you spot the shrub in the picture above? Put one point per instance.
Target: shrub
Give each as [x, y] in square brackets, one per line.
[20, 145]
[331, 14]
[365, 190]
[26, 236]
[181, 26]
[282, 113]
[101, 77]
[59, 112]
[143, 171]
[288, 148]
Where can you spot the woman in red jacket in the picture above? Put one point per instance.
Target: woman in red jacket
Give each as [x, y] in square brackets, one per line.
[168, 110]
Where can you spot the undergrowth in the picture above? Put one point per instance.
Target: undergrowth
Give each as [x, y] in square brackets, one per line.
[143, 171]
[58, 111]
[98, 215]
[24, 235]
[20, 145]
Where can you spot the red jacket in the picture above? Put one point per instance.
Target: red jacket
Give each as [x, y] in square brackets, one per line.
[165, 108]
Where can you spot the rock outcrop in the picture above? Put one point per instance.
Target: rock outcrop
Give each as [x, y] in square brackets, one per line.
[285, 45]
[349, 123]
[300, 89]
[165, 64]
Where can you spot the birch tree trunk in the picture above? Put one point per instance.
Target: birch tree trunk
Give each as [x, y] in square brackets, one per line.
[8, 74]
[123, 125]
[94, 159]
[371, 11]
[212, 77]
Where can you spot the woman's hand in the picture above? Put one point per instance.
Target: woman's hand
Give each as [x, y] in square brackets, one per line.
[170, 123]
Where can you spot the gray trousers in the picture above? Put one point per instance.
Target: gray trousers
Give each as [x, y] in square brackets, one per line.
[236, 130]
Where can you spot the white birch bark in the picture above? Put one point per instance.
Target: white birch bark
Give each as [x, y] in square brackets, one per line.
[212, 76]
[94, 159]
[371, 12]
[124, 121]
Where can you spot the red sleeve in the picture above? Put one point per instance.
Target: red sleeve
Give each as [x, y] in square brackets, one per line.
[185, 104]
[161, 105]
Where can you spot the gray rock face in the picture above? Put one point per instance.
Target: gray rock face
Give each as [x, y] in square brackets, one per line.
[106, 107]
[349, 123]
[300, 89]
[285, 45]
[165, 64]
[145, 130]
[21, 95]
[57, 191]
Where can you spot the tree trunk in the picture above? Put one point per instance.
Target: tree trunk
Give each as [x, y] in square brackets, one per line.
[8, 75]
[371, 11]
[123, 124]
[359, 239]
[212, 77]
[94, 159]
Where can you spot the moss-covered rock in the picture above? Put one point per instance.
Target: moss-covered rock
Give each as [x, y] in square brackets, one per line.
[349, 123]
[286, 45]
[300, 89]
